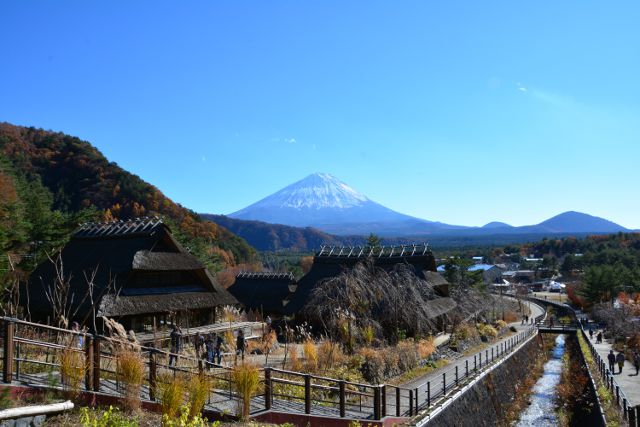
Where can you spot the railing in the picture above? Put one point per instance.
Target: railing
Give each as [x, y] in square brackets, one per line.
[432, 393]
[630, 413]
[32, 354]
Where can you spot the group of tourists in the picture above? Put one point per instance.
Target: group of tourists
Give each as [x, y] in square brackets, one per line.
[208, 347]
[619, 360]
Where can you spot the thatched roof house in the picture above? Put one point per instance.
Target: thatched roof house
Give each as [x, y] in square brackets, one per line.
[141, 274]
[265, 293]
[331, 261]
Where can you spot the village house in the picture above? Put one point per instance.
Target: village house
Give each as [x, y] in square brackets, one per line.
[133, 271]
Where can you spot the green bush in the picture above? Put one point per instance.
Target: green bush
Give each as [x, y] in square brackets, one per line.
[109, 418]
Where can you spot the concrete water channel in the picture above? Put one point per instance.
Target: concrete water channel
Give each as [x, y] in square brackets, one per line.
[541, 411]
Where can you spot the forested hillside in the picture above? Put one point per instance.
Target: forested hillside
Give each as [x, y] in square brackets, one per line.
[273, 237]
[50, 182]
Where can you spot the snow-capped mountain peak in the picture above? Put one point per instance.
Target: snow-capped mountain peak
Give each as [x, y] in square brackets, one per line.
[318, 200]
[316, 191]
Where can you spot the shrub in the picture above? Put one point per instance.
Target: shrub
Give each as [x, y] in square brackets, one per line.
[72, 369]
[186, 420]
[110, 418]
[391, 360]
[130, 370]
[246, 379]
[500, 324]
[408, 356]
[171, 394]
[368, 334]
[199, 388]
[487, 331]
[426, 347]
[372, 366]
[310, 354]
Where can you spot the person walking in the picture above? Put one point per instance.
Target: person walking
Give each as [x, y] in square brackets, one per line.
[176, 344]
[612, 362]
[199, 345]
[241, 344]
[636, 361]
[217, 353]
[599, 338]
[591, 334]
[620, 359]
[210, 348]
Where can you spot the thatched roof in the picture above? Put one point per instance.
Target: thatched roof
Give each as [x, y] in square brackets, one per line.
[146, 260]
[264, 292]
[122, 255]
[112, 306]
[439, 306]
[330, 264]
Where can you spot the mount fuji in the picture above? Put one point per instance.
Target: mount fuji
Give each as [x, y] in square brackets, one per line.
[323, 201]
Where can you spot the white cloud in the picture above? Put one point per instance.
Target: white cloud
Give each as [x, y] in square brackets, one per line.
[290, 140]
[521, 87]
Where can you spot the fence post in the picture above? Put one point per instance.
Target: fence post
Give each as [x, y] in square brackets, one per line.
[444, 383]
[384, 400]
[267, 389]
[96, 364]
[7, 373]
[411, 402]
[398, 412]
[456, 375]
[492, 354]
[428, 394]
[417, 403]
[88, 349]
[152, 375]
[307, 394]
[486, 356]
[475, 364]
[466, 368]
[624, 407]
[376, 403]
[617, 395]
[632, 416]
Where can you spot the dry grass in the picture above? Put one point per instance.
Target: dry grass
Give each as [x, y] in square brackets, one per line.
[330, 355]
[311, 355]
[511, 317]
[294, 361]
[130, 369]
[199, 388]
[72, 369]
[246, 380]
[171, 394]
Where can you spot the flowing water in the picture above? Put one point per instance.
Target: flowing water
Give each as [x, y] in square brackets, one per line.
[541, 411]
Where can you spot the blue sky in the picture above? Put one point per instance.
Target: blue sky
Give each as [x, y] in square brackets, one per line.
[461, 112]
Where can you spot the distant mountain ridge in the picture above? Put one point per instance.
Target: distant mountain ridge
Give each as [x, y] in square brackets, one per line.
[325, 203]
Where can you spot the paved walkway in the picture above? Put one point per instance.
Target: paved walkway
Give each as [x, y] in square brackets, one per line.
[435, 377]
[628, 381]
